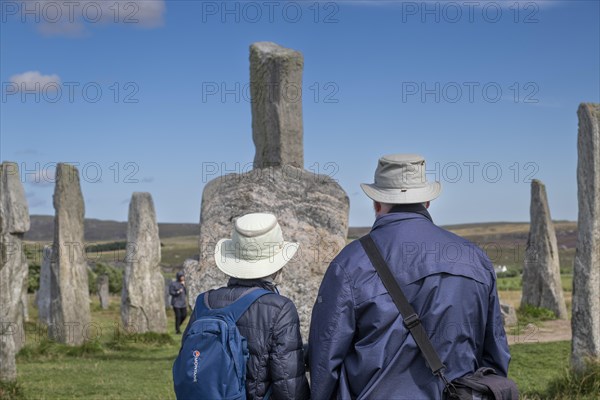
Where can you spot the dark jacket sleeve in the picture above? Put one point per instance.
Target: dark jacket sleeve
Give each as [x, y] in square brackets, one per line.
[287, 357]
[173, 288]
[496, 353]
[331, 331]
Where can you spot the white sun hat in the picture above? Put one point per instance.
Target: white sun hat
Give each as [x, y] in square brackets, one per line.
[256, 248]
[400, 179]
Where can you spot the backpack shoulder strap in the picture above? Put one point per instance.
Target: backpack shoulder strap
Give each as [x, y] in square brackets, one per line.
[239, 307]
[200, 307]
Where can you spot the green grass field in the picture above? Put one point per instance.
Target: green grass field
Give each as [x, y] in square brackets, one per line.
[114, 366]
[174, 251]
[120, 367]
[515, 283]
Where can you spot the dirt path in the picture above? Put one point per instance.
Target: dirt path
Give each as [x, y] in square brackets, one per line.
[547, 331]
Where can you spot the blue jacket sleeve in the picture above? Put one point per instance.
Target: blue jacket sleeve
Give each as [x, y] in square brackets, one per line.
[331, 331]
[495, 348]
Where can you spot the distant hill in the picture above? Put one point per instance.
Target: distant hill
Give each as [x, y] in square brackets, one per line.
[42, 229]
[505, 233]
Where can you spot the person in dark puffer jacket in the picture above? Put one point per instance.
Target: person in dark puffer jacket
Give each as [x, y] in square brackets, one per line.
[253, 258]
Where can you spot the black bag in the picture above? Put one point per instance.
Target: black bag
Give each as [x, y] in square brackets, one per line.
[483, 384]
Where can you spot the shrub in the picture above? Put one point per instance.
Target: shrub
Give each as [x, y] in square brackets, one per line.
[528, 314]
[33, 279]
[576, 384]
[510, 283]
[508, 274]
[96, 248]
[92, 281]
[11, 391]
[115, 276]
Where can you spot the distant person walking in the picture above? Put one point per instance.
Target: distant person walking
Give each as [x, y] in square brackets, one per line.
[360, 347]
[178, 293]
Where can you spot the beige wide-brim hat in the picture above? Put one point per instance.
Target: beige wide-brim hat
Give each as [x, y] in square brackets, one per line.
[400, 179]
[256, 248]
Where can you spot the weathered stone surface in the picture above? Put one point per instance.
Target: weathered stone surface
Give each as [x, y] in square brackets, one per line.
[541, 272]
[167, 295]
[43, 295]
[142, 300]
[103, 292]
[191, 269]
[509, 314]
[14, 222]
[276, 91]
[8, 351]
[23, 315]
[15, 212]
[586, 270]
[13, 271]
[69, 291]
[25, 301]
[311, 209]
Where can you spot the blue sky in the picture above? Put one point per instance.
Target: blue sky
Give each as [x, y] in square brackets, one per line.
[488, 93]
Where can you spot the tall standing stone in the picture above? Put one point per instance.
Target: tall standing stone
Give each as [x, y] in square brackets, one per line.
[586, 271]
[509, 314]
[43, 294]
[142, 300]
[541, 273]
[167, 294]
[311, 209]
[25, 301]
[14, 222]
[276, 90]
[23, 316]
[103, 292]
[69, 290]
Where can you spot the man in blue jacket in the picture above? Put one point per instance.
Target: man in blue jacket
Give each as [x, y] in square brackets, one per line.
[358, 346]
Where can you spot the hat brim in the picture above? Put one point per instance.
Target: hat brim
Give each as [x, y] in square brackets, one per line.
[402, 196]
[232, 265]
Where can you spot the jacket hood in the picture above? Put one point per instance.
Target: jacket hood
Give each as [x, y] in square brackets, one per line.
[179, 275]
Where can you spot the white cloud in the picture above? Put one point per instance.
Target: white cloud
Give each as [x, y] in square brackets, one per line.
[34, 80]
[75, 19]
[150, 13]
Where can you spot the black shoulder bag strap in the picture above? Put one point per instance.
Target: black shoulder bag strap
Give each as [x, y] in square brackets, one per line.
[410, 317]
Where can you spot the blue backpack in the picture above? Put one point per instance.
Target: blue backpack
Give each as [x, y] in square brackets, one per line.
[211, 364]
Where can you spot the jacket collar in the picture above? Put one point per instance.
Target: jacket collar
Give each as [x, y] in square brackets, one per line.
[402, 212]
[261, 283]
